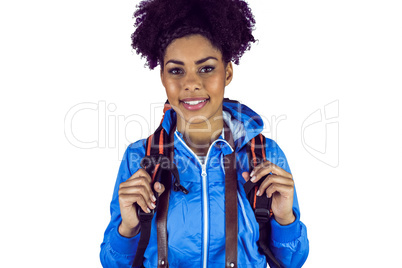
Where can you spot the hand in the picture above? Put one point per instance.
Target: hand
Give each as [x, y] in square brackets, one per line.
[136, 190]
[279, 186]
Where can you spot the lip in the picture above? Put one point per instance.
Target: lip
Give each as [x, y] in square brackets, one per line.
[194, 107]
[193, 99]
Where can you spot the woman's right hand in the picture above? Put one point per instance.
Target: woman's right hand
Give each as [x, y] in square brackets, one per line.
[136, 190]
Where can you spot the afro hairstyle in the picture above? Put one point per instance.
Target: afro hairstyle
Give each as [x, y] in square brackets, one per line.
[228, 24]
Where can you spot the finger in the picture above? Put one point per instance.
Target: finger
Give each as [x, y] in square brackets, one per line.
[128, 200]
[274, 179]
[159, 188]
[265, 168]
[141, 182]
[286, 191]
[274, 169]
[143, 190]
[259, 174]
[141, 173]
[259, 166]
[138, 186]
[246, 176]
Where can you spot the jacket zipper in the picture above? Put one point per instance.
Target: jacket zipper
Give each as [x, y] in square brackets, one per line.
[205, 210]
[204, 196]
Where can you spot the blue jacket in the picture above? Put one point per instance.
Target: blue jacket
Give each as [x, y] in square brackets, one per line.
[196, 221]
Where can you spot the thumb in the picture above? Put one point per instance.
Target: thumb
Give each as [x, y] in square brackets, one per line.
[159, 188]
[246, 175]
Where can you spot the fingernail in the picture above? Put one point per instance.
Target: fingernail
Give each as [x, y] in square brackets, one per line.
[153, 198]
[258, 192]
[252, 173]
[149, 211]
[153, 205]
[253, 179]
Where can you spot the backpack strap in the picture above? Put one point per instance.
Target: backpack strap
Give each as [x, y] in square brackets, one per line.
[154, 156]
[163, 206]
[231, 228]
[158, 162]
[260, 204]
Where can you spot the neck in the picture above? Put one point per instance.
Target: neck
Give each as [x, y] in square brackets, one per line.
[199, 136]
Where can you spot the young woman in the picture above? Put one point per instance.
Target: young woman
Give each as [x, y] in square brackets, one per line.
[195, 43]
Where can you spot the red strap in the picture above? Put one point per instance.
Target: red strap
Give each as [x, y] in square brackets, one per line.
[255, 164]
[253, 151]
[155, 171]
[262, 147]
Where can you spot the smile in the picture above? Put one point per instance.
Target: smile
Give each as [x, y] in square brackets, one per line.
[194, 104]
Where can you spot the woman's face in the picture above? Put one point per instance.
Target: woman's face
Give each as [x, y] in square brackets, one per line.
[194, 76]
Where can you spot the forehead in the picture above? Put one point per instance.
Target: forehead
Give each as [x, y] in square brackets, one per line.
[193, 47]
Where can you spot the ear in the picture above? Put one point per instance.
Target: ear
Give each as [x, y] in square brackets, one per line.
[229, 73]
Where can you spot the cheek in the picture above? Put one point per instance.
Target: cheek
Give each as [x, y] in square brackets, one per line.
[171, 84]
[172, 87]
[215, 84]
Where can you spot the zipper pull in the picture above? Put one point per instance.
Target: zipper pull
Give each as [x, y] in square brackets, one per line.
[204, 170]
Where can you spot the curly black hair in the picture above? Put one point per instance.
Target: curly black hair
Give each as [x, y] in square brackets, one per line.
[228, 24]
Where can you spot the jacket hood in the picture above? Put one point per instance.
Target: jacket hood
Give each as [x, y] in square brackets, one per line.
[243, 122]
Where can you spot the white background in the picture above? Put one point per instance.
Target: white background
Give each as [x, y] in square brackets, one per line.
[55, 55]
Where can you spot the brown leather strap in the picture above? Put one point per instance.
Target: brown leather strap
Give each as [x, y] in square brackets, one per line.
[161, 226]
[230, 204]
[162, 211]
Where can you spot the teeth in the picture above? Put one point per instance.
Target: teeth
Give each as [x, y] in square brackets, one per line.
[194, 102]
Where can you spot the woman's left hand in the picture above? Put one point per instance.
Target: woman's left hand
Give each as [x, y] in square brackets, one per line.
[279, 186]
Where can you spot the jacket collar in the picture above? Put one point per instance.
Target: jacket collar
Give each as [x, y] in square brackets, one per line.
[244, 123]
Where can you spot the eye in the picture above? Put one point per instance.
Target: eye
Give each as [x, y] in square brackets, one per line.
[207, 69]
[175, 71]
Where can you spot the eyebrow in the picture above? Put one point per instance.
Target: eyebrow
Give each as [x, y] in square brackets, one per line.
[196, 62]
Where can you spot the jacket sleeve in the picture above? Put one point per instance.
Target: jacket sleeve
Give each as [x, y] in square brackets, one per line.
[116, 250]
[288, 243]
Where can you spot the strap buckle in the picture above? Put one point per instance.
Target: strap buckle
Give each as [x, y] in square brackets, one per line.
[261, 215]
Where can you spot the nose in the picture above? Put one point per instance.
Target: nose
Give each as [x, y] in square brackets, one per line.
[192, 81]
